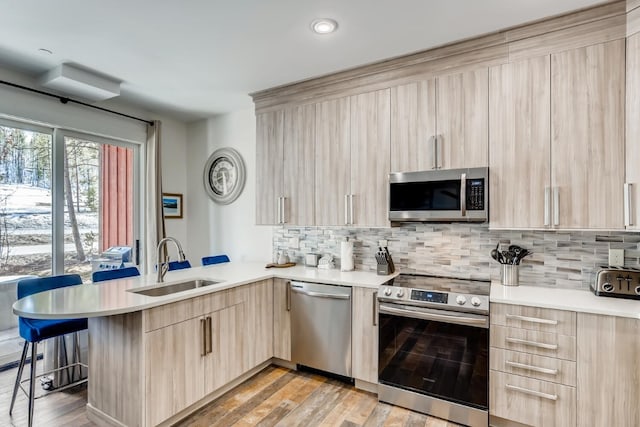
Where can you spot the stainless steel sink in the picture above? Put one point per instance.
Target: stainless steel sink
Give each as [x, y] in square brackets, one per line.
[176, 287]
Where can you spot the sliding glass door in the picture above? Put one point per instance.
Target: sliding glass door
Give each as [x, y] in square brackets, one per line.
[65, 199]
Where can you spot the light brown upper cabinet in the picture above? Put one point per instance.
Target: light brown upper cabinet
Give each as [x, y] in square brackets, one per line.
[440, 123]
[370, 146]
[557, 143]
[333, 162]
[285, 161]
[519, 153]
[632, 140]
[269, 158]
[299, 165]
[587, 136]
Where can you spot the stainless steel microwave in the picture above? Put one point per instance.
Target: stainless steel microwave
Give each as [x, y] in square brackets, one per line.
[445, 195]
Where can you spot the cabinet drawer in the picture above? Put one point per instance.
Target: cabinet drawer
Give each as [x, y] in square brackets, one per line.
[534, 318]
[534, 342]
[532, 366]
[532, 402]
[170, 314]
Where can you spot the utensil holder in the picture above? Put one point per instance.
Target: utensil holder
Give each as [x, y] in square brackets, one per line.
[510, 275]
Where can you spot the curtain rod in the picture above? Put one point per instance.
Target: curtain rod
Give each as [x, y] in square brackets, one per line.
[66, 100]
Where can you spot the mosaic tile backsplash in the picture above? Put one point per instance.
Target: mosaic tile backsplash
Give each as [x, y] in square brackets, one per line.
[561, 259]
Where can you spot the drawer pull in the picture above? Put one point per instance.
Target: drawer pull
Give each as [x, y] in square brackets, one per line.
[531, 319]
[532, 343]
[532, 392]
[531, 368]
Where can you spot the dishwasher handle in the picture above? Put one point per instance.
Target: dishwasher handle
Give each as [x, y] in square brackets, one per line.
[319, 294]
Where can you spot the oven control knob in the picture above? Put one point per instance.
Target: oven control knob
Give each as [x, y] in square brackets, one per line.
[461, 300]
[607, 287]
[400, 293]
[475, 301]
[637, 290]
[387, 292]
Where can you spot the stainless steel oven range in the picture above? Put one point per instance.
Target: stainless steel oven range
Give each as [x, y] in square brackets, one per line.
[434, 347]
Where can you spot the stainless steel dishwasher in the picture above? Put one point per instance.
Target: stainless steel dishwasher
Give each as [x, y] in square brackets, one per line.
[321, 327]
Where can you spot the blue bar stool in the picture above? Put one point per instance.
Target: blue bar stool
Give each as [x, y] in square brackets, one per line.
[179, 265]
[119, 273]
[215, 259]
[36, 330]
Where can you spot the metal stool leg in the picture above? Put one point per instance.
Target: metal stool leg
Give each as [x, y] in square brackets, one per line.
[32, 383]
[23, 359]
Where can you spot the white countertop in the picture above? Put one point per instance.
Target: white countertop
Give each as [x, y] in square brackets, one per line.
[114, 296]
[579, 300]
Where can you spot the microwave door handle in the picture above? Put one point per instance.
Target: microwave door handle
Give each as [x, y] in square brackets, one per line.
[463, 194]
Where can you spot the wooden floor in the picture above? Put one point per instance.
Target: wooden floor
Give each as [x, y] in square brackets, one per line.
[274, 397]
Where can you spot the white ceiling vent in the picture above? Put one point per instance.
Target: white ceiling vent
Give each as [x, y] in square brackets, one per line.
[72, 80]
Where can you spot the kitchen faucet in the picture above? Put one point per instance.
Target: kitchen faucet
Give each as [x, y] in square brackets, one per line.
[163, 266]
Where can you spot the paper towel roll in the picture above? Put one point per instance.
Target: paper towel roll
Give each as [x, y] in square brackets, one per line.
[346, 256]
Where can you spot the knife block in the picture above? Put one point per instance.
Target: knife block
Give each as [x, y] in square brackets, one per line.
[383, 269]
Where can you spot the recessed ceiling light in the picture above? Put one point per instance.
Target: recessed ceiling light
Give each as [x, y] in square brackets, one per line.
[324, 26]
[43, 50]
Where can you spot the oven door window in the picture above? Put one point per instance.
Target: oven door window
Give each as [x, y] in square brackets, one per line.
[426, 196]
[439, 359]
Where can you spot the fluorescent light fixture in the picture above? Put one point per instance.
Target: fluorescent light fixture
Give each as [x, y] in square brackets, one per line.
[72, 80]
[324, 26]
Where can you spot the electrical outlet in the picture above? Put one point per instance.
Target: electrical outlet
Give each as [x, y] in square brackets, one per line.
[382, 243]
[616, 257]
[294, 242]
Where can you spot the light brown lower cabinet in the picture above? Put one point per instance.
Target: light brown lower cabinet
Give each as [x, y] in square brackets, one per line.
[148, 366]
[364, 334]
[282, 319]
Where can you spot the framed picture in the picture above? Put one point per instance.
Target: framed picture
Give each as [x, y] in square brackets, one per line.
[172, 205]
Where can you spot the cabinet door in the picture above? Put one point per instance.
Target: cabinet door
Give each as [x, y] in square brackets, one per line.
[228, 359]
[632, 140]
[333, 161]
[519, 155]
[174, 369]
[462, 120]
[281, 319]
[365, 335]
[299, 165]
[269, 158]
[370, 165]
[608, 366]
[587, 142]
[413, 127]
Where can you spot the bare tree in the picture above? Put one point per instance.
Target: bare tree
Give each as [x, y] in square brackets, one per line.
[72, 210]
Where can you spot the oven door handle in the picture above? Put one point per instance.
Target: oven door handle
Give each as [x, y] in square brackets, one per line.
[424, 315]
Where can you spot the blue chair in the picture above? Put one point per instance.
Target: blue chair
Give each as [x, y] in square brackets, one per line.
[179, 265]
[118, 273]
[36, 330]
[215, 259]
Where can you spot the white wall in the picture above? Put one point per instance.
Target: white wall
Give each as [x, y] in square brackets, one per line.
[230, 229]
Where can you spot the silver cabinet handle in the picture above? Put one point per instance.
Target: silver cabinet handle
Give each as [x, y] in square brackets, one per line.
[278, 212]
[547, 206]
[284, 220]
[351, 209]
[556, 205]
[531, 319]
[532, 392]
[375, 308]
[532, 343]
[439, 150]
[463, 194]
[346, 209]
[434, 139]
[531, 368]
[628, 220]
[209, 336]
[203, 349]
[288, 296]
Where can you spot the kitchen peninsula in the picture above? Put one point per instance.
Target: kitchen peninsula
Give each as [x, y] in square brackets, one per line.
[154, 360]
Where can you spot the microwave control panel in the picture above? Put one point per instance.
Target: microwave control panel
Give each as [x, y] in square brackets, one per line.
[475, 194]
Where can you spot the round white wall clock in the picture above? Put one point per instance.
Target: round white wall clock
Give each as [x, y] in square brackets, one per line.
[224, 175]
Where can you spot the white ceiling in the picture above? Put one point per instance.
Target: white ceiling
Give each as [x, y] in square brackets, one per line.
[197, 58]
